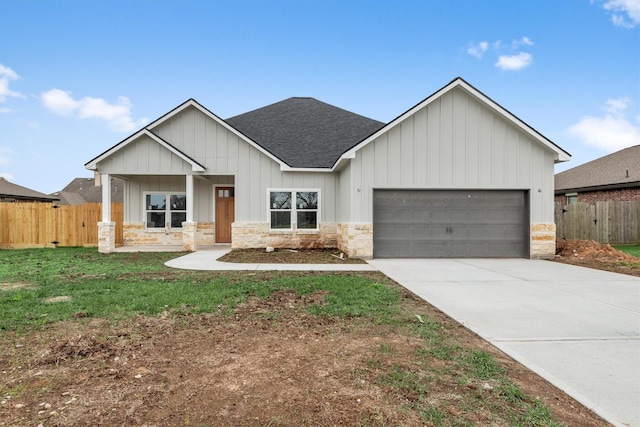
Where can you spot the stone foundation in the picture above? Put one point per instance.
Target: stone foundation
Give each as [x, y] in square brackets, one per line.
[192, 235]
[189, 236]
[205, 233]
[246, 235]
[543, 240]
[355, 239]
[106, 237]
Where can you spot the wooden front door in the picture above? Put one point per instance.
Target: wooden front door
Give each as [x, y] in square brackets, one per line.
[224, 213]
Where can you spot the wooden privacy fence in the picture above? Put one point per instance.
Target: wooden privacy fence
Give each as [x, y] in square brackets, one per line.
[604, 222]
[42, 225]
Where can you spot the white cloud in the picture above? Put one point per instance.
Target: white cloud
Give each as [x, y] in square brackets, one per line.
[524, 41]
[611, 132]
[117, 115]
[478, 49]
[514, 62]
[625, 13]
[7, 75]
[509, 62]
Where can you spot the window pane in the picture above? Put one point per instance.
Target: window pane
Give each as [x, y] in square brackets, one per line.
[280, 219]
[178, 202]
[156, 202]
[307, 200]
[307, 220]
[155, 219]
[280, 200]
[177, 218]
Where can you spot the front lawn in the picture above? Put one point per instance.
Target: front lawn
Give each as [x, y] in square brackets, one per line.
[95, 339]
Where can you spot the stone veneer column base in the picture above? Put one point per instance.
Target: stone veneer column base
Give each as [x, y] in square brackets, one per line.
[356, 239]
[106, 237]
[189, 236]
[543, 240]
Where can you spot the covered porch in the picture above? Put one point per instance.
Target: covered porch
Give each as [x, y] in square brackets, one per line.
[169, 212]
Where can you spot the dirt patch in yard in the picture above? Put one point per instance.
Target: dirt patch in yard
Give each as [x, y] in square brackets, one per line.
[587, 253]
[14, 286]
[266, 362]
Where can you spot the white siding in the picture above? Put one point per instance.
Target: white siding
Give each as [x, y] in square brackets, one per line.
[454, 142]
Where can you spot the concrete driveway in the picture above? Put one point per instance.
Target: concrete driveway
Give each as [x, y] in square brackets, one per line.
[579, 328]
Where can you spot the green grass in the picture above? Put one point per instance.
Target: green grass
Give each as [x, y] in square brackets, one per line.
[123, 285]
[127, 284]
[630, 249]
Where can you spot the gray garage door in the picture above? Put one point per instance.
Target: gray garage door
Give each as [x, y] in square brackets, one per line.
[450, 224]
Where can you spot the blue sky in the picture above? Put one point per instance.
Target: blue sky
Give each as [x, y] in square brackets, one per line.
[77, 77]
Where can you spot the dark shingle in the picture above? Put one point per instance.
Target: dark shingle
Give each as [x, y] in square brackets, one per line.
[84, 190]
[10, 190]
[305, 132]
[619, 168]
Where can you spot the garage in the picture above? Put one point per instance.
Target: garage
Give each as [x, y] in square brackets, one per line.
[450, 224]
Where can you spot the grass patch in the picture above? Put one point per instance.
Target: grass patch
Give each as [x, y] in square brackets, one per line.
[59, 284]
[82, 281]
[633, 250]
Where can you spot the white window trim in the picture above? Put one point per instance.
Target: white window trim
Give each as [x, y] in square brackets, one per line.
[168, 195]
[294, 225]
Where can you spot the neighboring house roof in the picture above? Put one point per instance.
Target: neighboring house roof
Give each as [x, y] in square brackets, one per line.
[305, 132]
[14, 191]
[617, 170]
[83, 190]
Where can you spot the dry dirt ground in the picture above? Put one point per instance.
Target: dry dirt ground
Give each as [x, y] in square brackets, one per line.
[265, 363]
[588, 253]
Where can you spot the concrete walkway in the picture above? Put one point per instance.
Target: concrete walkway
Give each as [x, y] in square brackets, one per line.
[207, 259]
[576, 327]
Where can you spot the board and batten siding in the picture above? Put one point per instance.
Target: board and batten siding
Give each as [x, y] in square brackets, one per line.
[454, 142]
[151, 167]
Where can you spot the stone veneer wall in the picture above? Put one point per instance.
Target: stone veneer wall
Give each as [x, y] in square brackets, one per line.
[205, 234]
[543, 240]
[356, 239]
[134, 234]
[258, 235]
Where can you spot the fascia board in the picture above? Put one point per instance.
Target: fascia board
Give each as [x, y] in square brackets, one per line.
[286, 168]
[195, 166]
[92, 164]
[561, 155]
[193, 103]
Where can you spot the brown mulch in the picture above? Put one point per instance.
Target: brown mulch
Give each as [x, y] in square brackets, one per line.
[587, 253]
[289, 256]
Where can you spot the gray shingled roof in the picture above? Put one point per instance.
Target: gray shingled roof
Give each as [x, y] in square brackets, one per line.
[83, 190]
[305, 132]
[15, 191]
[620, 169]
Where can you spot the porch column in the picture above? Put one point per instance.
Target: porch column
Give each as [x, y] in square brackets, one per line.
[189, 198]
[106, 228]
[189, 226]
[105, 182]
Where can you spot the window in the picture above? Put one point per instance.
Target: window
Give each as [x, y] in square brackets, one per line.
[572, 198]
[293, 209]
[160, 214]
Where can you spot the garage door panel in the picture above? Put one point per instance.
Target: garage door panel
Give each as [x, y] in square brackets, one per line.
[452, 223]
